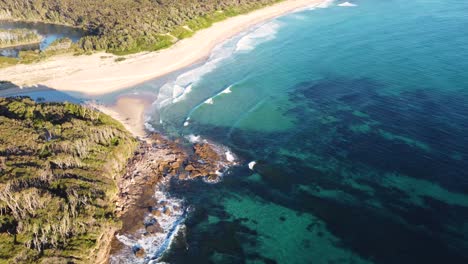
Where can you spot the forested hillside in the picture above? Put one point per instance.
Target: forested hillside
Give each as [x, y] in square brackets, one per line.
[124, 26]
[58, 169]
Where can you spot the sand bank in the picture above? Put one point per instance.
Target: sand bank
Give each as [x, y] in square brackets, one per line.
[130, 111]
[100, 73]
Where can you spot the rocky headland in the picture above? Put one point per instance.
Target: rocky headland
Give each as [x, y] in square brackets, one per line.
[157, 161]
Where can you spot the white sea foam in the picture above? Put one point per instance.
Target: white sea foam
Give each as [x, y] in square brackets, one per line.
[126, 240]
[176, 90]
[149, 127]
[172, 224]
[187, 121]
[193, 139]
[323, 4]
[179, 93]
[227, 90]
[262, 34]
[229, 156]
[347, 4]
[209, 101]
[252, 165]
[154, 244]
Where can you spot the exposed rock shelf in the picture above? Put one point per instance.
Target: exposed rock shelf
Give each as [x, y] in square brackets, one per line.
[156, 162]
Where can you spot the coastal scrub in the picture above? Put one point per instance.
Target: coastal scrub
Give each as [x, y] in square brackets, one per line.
[129, 26]
[59, 163]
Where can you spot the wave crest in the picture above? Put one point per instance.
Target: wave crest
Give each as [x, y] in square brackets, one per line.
[262, 34]
[347, 4]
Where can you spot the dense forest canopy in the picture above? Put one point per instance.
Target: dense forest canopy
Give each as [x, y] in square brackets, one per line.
[129, 25]
[58, 167]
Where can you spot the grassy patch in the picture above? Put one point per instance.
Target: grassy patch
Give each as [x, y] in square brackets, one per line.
[119, 59]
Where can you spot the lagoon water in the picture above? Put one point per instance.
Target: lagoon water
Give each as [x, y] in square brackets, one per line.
[50, 33]
[354, 121]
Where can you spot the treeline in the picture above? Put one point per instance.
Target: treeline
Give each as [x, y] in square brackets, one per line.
[58, 165]
[58, 46]
[127, 26]
[15, 37]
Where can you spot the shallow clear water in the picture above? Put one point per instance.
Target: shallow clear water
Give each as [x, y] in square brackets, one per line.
[50, 32]
[357, 118]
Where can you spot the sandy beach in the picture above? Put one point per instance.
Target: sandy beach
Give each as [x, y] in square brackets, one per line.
[99, 73]
[130, 111]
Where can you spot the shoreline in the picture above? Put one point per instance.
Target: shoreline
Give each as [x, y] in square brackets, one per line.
[11, 46]
[149, 215]
[99, 73]
[130, 111]
[147, 212]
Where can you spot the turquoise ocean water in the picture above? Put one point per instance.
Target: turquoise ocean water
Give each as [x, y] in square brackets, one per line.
[357, 120]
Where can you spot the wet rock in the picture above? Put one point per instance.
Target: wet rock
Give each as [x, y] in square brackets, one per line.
[183, 176]
[139, 252]
[177, 164]
[205, 152]
[154, 228]
[213, 177]
[156, 213]
[190, 168]
[167, 211]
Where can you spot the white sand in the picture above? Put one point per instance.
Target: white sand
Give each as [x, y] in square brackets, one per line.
[130, 111]
[99, 73]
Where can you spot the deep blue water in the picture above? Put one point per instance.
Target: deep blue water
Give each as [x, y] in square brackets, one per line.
[357, 118]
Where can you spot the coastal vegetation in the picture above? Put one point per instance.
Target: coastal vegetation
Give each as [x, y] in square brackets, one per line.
[59, 166]
[18, 37]
[58, 46]
[129, 26]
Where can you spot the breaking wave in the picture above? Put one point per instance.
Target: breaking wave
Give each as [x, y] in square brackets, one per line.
[167, 217]
[210, 101]
[252, 165]
[257, 36]
[176, 90]
[347, 4]
[324, 4]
